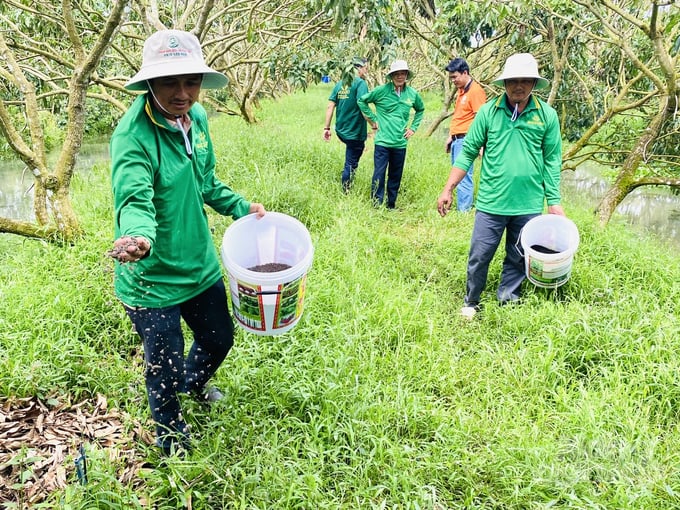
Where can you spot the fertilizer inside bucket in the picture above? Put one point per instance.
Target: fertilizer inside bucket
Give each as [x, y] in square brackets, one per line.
[267, 260]
[542, 249]
[549, 243]
[272, 267]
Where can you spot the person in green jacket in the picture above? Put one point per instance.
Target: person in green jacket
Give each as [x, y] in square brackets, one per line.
[520, 175]
[350, 124]
[163, 174]
[393, 125]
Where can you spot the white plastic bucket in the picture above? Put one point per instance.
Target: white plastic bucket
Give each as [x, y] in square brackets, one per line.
[549, 232]
[267, 303]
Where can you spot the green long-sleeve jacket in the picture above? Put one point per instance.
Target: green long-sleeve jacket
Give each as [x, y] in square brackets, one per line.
[522, 159]
[159, 192]
[392, 113]
[349, 122]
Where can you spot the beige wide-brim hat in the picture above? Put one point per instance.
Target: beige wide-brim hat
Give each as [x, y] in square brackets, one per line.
[399, 65]
[521, 65]
[173, 53]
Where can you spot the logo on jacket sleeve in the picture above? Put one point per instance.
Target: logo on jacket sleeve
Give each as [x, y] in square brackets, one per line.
[201, 142]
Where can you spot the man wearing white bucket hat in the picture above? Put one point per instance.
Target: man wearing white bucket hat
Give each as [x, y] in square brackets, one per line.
[163, 174]
[391, 120]
[520, 175]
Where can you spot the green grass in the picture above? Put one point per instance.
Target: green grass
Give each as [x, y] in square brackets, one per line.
[381, 396]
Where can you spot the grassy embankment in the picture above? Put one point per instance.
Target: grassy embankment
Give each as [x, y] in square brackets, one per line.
[381, 397]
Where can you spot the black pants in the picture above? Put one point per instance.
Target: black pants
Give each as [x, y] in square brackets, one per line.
[486, 236]
[353, 151]
[388, 162]
[168, 373]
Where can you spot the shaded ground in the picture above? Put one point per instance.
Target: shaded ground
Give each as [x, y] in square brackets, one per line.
[42, 442]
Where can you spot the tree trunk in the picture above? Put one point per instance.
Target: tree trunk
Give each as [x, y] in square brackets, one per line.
[444, 114]
[247, 111]
[54, 214]
[625, 181]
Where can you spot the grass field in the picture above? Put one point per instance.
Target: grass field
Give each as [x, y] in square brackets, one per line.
[381, 396]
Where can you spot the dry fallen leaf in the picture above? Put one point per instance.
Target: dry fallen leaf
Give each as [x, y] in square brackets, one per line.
[39, 443]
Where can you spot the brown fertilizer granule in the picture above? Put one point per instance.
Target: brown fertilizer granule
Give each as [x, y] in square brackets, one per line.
[271, 267]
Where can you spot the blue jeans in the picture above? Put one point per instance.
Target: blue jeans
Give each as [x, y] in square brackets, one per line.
[486, 236]
[168, 373]
[353, 151]
[466, 188]
[384, 157]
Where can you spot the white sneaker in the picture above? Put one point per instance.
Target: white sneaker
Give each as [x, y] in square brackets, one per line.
[468, 312]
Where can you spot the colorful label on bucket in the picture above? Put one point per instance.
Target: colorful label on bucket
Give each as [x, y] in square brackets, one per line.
[263, 308]
[551, 274]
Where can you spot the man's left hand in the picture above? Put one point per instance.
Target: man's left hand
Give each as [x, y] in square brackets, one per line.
[257, 209]
[556, 209]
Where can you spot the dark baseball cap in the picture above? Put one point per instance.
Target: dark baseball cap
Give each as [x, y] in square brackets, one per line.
[359, 61]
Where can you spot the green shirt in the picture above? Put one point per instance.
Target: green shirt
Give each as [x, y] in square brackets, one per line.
[392, 113]
[159, 193]
[522, 159]
[349, 122]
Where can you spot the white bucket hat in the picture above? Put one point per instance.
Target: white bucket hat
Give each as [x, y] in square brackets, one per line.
[399, 65]
[171, 53]
[521, 65]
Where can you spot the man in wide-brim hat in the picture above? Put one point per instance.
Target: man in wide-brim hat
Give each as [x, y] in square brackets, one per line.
[519, 178]
[163, 174]
[393, 127]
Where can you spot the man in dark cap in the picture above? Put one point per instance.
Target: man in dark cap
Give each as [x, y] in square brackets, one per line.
[350, 124]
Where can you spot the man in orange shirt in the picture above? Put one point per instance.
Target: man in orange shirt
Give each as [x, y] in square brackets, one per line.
[469, 99]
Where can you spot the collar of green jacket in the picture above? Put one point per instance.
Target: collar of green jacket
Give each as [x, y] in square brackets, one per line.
[503, 101]
[155, 116]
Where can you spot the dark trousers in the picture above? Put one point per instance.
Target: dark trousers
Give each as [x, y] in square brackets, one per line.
[387, 162]
[168, 373]
[486, 236]
[353, 151]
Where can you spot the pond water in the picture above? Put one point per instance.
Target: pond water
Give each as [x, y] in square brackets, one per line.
[16, 181]
[656, 210]
[650, 209]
